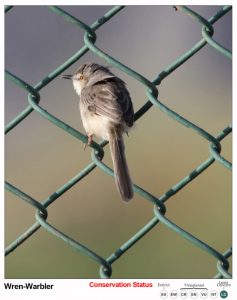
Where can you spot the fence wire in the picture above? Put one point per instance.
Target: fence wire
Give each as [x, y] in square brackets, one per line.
[97, 149]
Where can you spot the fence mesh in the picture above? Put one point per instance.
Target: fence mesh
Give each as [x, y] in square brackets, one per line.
[97, 148]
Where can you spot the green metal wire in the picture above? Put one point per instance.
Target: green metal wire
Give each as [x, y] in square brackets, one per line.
[8, 7]
[97, 155]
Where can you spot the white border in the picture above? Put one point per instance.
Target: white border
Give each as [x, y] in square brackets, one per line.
[121, 2]
[78, 288]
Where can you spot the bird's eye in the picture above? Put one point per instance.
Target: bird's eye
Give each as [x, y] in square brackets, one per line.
[81, 77]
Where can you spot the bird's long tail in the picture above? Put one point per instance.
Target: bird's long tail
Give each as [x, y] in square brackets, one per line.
[121, 172]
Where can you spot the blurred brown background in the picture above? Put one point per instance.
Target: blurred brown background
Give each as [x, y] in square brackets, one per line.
[39, 157]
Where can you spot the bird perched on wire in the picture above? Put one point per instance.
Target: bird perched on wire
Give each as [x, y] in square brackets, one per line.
[106, 111]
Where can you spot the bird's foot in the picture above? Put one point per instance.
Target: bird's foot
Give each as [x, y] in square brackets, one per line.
[89, 141]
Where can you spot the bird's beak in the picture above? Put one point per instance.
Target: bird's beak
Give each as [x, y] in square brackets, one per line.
[67, 77]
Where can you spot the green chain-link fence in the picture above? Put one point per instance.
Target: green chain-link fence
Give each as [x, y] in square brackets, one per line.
[98, 152]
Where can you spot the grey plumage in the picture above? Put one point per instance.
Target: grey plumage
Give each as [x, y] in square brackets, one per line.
[106, 111]
[121, 172]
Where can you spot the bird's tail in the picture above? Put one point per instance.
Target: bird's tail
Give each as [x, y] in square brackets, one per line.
[121, 172]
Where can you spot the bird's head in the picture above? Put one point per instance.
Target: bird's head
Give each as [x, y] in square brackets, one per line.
[88, 74]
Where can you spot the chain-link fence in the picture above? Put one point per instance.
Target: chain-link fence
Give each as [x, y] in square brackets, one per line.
[98, 149]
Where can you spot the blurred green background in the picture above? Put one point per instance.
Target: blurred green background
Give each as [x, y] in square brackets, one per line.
[39, 157]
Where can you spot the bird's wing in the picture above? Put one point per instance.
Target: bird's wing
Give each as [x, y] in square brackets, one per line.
[111, 99]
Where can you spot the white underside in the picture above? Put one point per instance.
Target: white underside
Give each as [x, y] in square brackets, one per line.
[95, 124]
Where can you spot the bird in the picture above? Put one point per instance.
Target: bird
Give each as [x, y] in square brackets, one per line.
[107, 112]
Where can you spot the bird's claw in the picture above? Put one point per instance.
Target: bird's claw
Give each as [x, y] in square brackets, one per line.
[89, 141]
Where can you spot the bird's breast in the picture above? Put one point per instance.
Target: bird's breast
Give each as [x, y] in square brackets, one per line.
[95, 124]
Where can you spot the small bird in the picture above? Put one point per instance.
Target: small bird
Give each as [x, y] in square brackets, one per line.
[106, 111]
